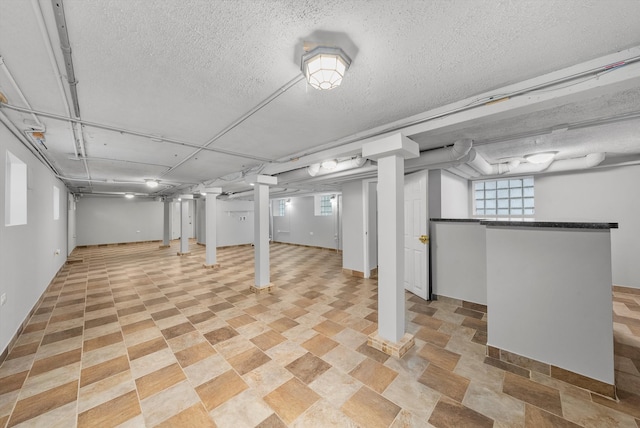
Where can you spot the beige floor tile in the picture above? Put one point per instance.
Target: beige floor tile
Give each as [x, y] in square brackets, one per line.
[369, 409]
[246, 409]
[147, 317]
[291, 399]
[168, 403]
[335, 386]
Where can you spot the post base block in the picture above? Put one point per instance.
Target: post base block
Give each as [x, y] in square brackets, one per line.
[162, 247]
[395, 349]
[264, 289]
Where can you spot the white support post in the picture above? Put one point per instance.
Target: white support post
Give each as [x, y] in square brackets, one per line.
[210, 239]
[390, 152]
[184, 225]
[261, 232]
[166, 234]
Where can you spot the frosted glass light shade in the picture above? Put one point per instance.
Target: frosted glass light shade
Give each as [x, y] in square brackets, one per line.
[325, 67]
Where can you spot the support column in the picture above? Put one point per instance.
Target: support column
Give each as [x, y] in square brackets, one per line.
[166, 235]
[210, 228]
[184, 225]
[390, 152]
[261, 232]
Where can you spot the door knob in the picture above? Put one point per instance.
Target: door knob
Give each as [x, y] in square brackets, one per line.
[424, 239]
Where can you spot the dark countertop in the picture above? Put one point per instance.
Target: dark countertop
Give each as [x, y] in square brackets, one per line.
[457, 220]
[531, 224]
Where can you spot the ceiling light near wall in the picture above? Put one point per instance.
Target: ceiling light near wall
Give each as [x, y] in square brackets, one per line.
[152, 183]
[129, 195]
[329, 164]
[324, 67]
[539, 158]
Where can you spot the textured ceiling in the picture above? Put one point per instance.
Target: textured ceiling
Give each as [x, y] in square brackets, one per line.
[186, 70]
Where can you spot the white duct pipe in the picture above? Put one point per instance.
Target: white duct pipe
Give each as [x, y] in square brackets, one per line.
[588, 161]
[457, 151]
[318, 170]
[481, 165]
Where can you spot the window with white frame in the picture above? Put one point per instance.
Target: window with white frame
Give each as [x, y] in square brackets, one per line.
[15, 209]
[509, 198]
[279, 208]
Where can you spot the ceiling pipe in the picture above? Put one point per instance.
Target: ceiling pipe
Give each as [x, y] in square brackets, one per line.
[13, 82]
[480, 164]
[445, 155]
[130, 132]
[29, 145]
[586, 162]
[318, 170]
[281, 90]
[63, 34]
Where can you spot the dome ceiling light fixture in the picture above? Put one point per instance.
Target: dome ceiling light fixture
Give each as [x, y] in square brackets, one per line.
[539, 158]
[324, 67]
[152, 183]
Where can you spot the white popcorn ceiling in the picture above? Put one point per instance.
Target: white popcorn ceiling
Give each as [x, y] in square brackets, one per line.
[186, 69]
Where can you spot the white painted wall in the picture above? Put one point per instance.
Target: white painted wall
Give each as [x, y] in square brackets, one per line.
[234, 223]
[301, 226]
[601, 195]
[28, 259]
[459, 262]
[454, 193]
[549, 297]
[448, 195]
[110, 220]
[352, 226]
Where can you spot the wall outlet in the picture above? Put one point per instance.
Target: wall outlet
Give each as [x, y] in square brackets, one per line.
[3, 299]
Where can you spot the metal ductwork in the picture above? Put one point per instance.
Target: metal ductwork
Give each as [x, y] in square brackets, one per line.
[588, 161]
[317, 169]
[445, 155]
[513, 167]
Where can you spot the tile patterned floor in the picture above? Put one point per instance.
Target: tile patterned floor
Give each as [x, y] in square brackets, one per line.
[136, 336]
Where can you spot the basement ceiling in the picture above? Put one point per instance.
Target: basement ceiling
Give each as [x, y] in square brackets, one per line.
[213, 89]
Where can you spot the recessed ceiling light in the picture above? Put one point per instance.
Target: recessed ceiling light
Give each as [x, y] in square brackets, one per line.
[152, 183]
[129, 195]
[324, 67]
[539, 158]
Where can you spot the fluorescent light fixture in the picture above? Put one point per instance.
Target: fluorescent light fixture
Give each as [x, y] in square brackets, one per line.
[129, 195]
[252, 184]
[203, 194]
[324, 67]
[329, 164]
[152, 183]
[539, 158]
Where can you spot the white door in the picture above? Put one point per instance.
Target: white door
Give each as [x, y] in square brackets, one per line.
[416, 253]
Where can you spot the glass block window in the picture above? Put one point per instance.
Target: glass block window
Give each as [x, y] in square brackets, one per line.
[325, 205]
[509, 198]
[279, 208]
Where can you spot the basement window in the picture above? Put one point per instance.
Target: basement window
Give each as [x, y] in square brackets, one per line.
[322, 205]
[15, 207]
[506, 199]
[279, 208]
[56, 203]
